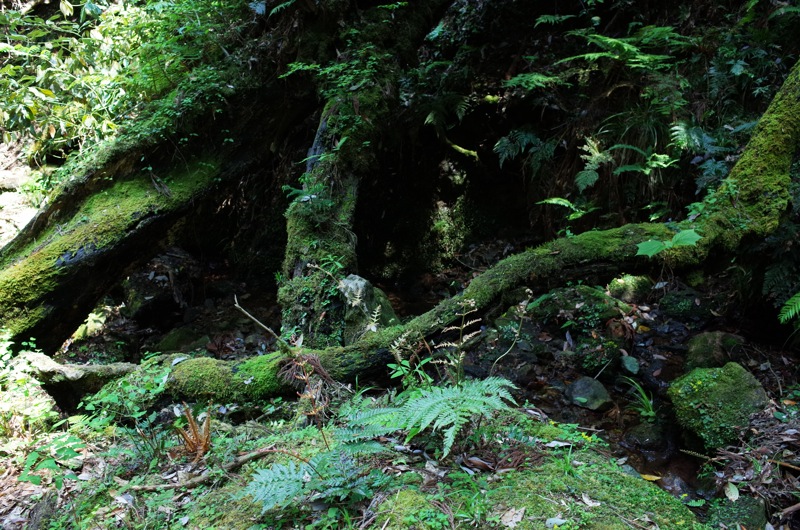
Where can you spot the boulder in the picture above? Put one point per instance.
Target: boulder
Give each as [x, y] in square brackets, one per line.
[716, 403]
[589, 393]
[745, 512]
[712, 349]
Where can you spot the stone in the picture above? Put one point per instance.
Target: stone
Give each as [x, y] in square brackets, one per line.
[716, 403]
[646, 437]
[747, 512]
[630, 364]
[713, 349]
[368, 308]
[588, 393]
[684, 303]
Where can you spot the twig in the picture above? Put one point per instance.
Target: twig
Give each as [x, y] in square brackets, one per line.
[784, 464]
[230, 466]
[282, 344]
[791, 509]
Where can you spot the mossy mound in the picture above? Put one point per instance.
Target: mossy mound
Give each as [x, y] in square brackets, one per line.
[711, 349]
[588, 307]
[205, 378]
[630, 289]
[716, 403]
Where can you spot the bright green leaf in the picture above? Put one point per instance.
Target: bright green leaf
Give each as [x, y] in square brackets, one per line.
[650, 248]
[686, 238]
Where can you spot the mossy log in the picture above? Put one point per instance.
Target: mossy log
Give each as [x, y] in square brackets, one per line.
[49, 276]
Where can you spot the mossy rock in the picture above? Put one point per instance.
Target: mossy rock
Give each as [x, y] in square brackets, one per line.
[716, 403]
[182, 339]
[542, 491]
[368, 308]
[712, 349]
[684, 303]
[630, 289]
[206, 378]
[747, 512]
[588, 307]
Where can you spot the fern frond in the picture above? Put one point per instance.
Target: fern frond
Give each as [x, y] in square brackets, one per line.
[449, 408]
[278, 485]
[790, 309]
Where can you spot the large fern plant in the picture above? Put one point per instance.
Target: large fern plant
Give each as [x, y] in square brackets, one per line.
[334, 475]
[446, 409]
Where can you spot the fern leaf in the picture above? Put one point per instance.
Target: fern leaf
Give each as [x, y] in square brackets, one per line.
[450, 408]
[790, 309]
[586, 179]
[277, 486]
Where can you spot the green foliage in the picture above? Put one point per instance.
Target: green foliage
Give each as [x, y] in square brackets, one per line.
[594, 157]
[791, 309]
[521, 142]
[66, 83]
[446, 409]
[335, 475]
[631, 50]
[533, 80]
[128, 398]
[576, 211]
[643, 403]
[684, 238]
[50, 458]
[408, 366]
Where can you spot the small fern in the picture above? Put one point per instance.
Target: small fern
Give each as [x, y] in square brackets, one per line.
[791, 309]
[278, 485]
[446, 409]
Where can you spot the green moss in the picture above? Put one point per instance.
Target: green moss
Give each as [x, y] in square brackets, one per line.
[755, 196]
[554, 490]
[747, 512]
[716, 403]
[629, 288]
[711, 349]
[409, 508]
[205, 378]
[226, 382]
[104, 219]
[259, 376]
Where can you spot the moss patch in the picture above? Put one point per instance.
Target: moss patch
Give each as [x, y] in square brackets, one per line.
[716, 403]
[105, 219]
[225, 382]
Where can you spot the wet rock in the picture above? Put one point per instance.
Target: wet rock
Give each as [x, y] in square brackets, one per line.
[588, 393]
[747, 512]
[716, 403]
[630, 364]
[712, 349]
[646, 437]
[684, 304]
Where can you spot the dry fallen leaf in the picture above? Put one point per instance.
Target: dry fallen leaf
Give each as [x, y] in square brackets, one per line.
[651, 478]
[512, 517]
[589, 502]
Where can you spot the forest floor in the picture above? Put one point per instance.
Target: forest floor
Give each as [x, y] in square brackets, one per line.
[578, 460]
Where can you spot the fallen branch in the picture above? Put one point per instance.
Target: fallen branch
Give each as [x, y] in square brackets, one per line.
[196, 481]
